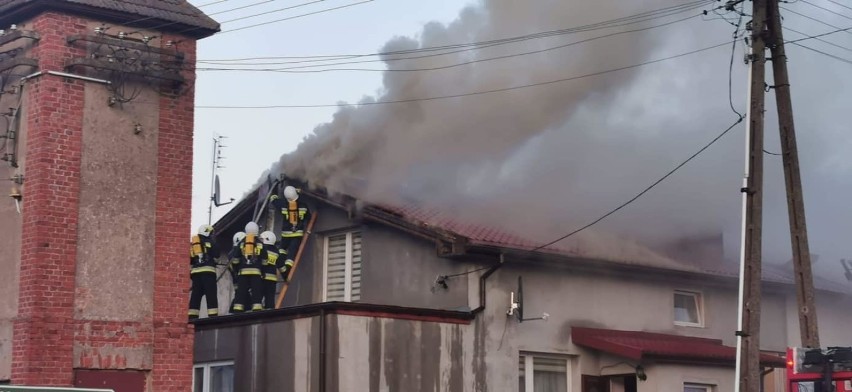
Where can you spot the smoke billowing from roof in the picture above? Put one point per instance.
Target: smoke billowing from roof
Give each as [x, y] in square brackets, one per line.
[543, 161]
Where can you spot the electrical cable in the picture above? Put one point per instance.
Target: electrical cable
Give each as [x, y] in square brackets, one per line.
[272, 11]
[211, 3]
[634, 198]
[815, 20]
[291, 69]
[825, 9]
[240, 8]
[823, 53]
[819, 39]
[295, 17]
[840, 4]
[648, 15]
[731, 65]
[482, 92]
[819, 35]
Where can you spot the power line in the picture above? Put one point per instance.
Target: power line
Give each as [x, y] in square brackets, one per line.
[272, 11]
[211, 3]
[416, 57]
[823, 53]
[637, 18]
[814, 19]
[290, 69]
[819, 39]
[241, 7]
[820, 35]
[825, 9]
[646, 190]
[840, 4]
[297, 16]
[476, 92]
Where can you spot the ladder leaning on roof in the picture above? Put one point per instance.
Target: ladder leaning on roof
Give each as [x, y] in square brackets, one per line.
[292, 271]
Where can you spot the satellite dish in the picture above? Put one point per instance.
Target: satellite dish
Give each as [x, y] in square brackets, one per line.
[520, 299]
[216, 191]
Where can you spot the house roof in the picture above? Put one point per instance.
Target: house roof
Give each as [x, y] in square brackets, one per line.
[640, 346]
[414, 216]
[169, 15]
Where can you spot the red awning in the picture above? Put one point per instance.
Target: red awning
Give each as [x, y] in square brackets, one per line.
[645, 345]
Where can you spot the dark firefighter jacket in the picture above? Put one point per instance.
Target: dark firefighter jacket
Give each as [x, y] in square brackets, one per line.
[296, 216]
[203, 254]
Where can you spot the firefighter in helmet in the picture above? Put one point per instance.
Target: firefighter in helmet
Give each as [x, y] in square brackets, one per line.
[296, 215]
[202, 259]
[251, 259]
[234, 264]
[273, 263]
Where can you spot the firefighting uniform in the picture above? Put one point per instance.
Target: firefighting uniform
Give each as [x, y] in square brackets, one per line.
[270, 279]
[296, 217]
[250, 261]
[202, 259]
[234, 269]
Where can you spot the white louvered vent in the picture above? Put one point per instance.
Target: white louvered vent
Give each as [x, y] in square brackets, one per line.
[356, 267]
[343, 267]
[336, 267]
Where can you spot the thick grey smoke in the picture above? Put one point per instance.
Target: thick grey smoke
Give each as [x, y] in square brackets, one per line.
[543, 161]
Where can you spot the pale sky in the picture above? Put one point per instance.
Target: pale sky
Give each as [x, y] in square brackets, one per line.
[256, 138]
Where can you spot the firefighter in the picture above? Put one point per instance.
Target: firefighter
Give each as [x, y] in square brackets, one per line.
[251, 259]
[203, 254]
[296, 216]
[273, 263]
[233, 264]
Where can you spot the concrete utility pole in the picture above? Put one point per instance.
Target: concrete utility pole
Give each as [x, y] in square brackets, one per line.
[748, 336]
[795, 203]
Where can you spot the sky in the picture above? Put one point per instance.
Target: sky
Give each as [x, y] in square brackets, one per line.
[564, 152]
[257, 138]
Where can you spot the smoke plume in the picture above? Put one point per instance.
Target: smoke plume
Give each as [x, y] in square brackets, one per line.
[544, 160]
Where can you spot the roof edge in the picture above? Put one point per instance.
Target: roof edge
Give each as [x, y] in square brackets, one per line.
[337, 308]
[30, 9]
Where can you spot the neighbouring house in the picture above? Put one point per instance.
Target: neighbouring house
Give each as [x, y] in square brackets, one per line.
[399, 298]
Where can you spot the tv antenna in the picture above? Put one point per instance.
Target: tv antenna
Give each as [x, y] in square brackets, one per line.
[214, 180]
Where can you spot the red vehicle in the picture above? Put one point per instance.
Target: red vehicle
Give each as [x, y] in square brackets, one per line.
[819, 370]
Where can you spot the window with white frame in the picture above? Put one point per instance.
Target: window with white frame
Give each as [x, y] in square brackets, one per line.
[543, 373]
[342, 267]
[213, 377]
[687, 387]
[688, 309]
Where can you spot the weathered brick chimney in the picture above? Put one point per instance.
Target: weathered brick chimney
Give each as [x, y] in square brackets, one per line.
[98, 97]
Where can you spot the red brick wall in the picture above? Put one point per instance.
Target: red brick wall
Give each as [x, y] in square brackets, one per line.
[173, 337]
[43, 330]
[48, 341]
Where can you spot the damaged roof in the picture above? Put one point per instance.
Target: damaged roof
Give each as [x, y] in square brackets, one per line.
[178, 16]
[429, 222]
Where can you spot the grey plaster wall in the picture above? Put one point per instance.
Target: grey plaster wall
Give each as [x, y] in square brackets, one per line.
[399, 269]
[115, 251]
[10, 219]
[10, 240]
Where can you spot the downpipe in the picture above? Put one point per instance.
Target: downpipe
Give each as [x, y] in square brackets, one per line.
[482, 280]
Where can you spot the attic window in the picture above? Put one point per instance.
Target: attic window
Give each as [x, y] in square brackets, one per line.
[342, 267]
[688, 309]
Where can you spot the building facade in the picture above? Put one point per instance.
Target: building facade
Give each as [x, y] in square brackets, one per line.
[98, 101]
[384, 300]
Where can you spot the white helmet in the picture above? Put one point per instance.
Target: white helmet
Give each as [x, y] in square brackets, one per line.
[239, 237]
[205, 230]
[251, 228]
[290, 193]
[267, 237]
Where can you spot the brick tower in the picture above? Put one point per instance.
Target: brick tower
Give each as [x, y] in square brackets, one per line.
[97, 98]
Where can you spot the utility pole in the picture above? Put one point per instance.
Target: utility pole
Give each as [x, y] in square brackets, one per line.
[748, 335]
[792, 178]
